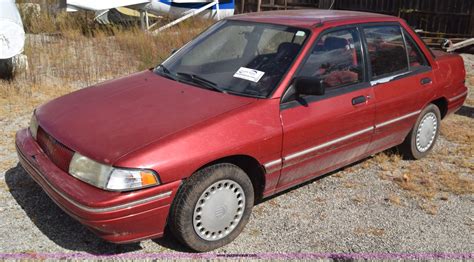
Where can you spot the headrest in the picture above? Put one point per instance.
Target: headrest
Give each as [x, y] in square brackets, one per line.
[288, 48]
[332, 43]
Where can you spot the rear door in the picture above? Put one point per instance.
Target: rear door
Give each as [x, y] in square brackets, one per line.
[402, 80]
[322, 133]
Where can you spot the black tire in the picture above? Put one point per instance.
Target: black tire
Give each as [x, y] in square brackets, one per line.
[409, 148]
[6, 69]
[181, 217]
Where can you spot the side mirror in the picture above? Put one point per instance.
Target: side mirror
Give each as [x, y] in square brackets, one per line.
[309, 86]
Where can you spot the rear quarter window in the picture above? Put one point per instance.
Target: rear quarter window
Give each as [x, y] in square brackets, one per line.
[415, 56]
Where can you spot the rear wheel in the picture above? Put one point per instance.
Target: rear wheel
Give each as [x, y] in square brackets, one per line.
[423, 136]
[212, 207]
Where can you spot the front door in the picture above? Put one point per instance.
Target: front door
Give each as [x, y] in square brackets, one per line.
[322, 133]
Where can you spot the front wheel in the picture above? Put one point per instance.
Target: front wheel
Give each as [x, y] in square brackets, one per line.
[212, 207]
[422, 138]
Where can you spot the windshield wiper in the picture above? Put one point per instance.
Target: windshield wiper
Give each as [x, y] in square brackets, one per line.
[201, 81]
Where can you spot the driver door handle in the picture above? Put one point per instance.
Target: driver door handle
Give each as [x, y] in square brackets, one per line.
[359, 100]
[426, 81]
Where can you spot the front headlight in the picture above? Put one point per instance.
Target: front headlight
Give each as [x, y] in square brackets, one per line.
[108, 177]
[33, 126]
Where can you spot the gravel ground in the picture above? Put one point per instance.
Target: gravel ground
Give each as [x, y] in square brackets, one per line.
[354, 210]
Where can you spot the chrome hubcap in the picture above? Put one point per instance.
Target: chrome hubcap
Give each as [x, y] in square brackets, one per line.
[219, 210]
[426, 132]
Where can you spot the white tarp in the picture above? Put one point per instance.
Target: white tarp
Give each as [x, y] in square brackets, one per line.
[12, 34]
[100, 5]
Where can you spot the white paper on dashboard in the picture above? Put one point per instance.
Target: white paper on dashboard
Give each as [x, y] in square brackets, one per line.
[249, 74]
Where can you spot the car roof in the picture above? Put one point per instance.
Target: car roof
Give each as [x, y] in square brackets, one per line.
[308, 17]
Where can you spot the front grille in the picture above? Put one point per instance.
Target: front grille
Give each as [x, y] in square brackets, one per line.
[59, 154]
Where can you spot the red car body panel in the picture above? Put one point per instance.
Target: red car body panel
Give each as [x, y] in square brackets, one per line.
[390, 96]
[106, 213]
[310, 18]
[340, 119]
[144, 106]
[258, 135]
[147, 121]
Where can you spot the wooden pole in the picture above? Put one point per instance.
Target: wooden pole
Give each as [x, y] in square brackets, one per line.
[242, 8]
[259, 4]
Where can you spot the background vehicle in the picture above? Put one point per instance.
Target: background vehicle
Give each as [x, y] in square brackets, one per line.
[255, 105]
[179, 9]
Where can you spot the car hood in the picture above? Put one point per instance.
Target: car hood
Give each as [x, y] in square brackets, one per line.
[107, 121]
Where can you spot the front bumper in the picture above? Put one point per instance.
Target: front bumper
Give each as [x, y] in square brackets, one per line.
[116, 217]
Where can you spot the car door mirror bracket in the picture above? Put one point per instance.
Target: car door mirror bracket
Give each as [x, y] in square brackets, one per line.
[309, 86]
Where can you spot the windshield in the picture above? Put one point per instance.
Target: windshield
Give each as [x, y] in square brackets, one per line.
[237, 57]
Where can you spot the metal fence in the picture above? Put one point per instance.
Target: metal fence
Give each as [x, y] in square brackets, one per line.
[452, 18]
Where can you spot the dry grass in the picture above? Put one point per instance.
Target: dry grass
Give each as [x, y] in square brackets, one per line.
[387, 161]
[63, 56]
[460, 130]
[429, 208]
[394, 199]
[447, 170]
[150, 50]
[377, 232]
[359, 198]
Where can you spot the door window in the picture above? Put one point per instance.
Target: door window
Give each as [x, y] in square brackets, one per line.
[336, 58]
[386, 50]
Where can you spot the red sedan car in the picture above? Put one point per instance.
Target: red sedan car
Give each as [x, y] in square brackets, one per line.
[256, 104]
